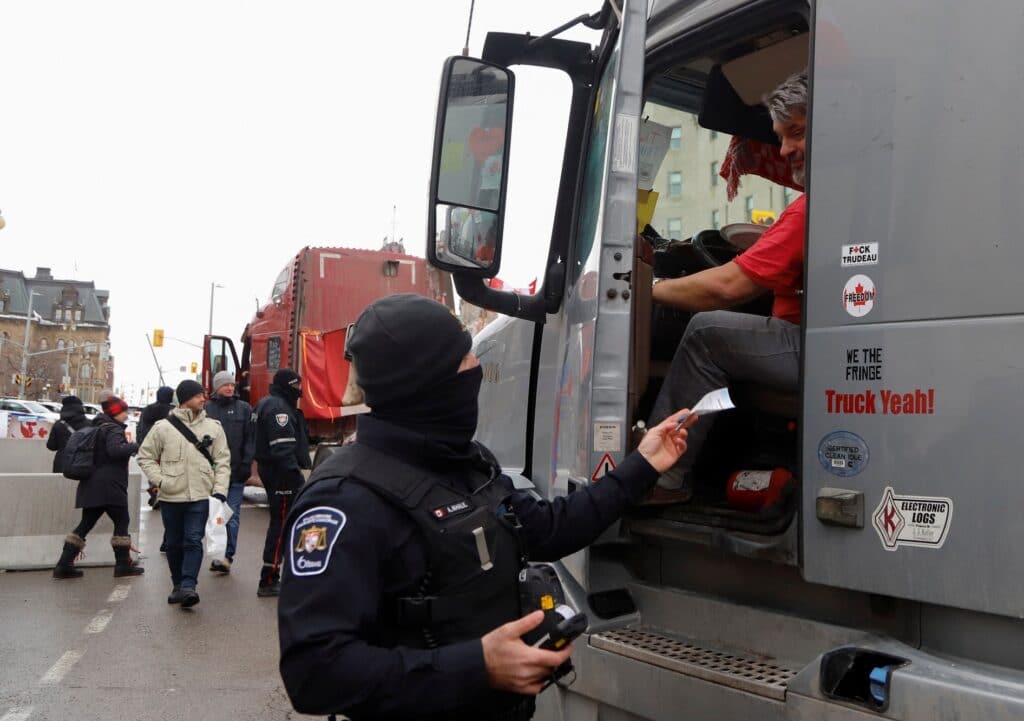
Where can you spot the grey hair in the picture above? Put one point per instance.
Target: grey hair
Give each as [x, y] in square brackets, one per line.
[790, 95]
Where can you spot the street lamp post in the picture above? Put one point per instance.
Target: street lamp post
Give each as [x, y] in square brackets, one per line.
[212, 287]
[24, 351]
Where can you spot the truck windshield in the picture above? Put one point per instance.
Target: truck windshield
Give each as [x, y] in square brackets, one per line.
[280, 285]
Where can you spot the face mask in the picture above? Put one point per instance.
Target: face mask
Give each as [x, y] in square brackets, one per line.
[446, 413]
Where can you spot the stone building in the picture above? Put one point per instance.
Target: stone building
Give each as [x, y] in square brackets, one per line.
[691, 195]
[70, 321]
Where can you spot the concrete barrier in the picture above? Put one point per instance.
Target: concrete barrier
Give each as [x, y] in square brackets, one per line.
[24, 456]
[37, 510]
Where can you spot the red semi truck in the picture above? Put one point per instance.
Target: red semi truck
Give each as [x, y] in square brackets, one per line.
[302, 326]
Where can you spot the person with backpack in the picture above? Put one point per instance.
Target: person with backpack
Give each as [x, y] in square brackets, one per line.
[72, 418]
[186, 457]
[97, 456]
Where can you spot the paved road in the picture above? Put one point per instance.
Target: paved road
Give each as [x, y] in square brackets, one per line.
[100, 648]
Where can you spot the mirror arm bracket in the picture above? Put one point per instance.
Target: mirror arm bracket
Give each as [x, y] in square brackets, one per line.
[474, 290]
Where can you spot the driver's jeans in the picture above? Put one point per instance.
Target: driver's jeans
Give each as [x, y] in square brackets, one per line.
[720, 348]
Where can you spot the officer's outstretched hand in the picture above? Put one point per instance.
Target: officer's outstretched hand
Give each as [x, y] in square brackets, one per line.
[663, 444]
[514, 666]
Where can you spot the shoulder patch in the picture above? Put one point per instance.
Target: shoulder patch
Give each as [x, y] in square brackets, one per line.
[313, 537]
[282, 419]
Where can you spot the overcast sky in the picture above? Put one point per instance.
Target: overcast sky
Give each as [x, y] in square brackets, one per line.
[158, 147]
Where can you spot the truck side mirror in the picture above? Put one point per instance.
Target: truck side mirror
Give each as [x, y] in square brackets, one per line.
[468, 175]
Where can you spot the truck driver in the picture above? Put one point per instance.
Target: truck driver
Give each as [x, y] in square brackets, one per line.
[720, 347]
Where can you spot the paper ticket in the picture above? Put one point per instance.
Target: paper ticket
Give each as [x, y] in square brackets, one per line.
[713, 402]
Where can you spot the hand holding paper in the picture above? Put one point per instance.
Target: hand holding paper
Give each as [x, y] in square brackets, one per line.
[713, 402]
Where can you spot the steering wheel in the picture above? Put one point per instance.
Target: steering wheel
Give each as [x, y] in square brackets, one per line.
[712, 248]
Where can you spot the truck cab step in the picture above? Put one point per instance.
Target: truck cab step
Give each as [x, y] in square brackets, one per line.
[757, 675]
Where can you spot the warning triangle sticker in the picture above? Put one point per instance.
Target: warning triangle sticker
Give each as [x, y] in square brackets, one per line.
[607, 465]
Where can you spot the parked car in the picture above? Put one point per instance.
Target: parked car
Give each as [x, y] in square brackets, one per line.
[92, 410]
[28, 408]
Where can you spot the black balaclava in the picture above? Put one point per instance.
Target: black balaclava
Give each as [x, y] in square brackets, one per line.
[288, 385]
[407, 350]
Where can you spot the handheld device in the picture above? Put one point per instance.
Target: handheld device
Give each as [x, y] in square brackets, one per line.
[540, 589]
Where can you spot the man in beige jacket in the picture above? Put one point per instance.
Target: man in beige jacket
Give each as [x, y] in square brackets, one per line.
[186, 458]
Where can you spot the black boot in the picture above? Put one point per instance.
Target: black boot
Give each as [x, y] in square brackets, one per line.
[270, 582]
[123, 563]
[65, 568]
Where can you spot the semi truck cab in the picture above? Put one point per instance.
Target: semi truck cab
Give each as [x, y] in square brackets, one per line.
[885, 582]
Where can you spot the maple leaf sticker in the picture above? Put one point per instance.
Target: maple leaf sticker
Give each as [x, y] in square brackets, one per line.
[859, 296]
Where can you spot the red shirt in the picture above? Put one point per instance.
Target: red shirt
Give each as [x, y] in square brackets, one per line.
[776, 260]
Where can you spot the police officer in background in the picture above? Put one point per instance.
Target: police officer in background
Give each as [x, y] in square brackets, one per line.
[400, 594]
[282, 451]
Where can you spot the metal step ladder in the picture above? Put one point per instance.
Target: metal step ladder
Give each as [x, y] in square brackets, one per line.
[757, 675]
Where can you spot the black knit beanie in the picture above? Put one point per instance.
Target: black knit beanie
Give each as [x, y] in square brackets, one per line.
[403, 345]
[187, 390]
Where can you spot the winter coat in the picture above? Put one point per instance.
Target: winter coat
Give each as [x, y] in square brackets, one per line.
[177, 467]
[150, 415]
[108, 485]
[282, 437]
[235, 415]
[72, 418]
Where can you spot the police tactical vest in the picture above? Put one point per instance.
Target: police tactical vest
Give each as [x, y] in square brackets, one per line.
[473, 551]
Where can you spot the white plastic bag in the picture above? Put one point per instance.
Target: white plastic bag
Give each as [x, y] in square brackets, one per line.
[217, 528]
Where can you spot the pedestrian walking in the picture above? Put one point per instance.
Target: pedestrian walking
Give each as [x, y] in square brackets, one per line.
[105, 491]
[401, 598]
[235, 415]
[282, 452]
[186, 458]
[72, 418]
[151, 414]
[155, 412]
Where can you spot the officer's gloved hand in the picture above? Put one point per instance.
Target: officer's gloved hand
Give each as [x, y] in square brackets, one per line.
[220, 497]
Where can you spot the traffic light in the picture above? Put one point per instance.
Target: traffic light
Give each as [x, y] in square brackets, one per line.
[195, 367]
[158, 338]
[762, 217]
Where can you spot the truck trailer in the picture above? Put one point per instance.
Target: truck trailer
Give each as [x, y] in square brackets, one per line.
[302, 325]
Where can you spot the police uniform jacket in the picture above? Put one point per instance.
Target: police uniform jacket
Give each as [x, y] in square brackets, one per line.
[339, 649]
[282, 439]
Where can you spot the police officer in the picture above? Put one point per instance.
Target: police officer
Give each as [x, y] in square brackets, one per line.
[400, 596]
[282, 451]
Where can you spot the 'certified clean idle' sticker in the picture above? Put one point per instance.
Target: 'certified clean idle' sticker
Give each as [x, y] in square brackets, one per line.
[843, 453]
[921, 521]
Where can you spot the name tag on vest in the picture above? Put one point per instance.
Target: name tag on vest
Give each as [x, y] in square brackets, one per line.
[451, 509]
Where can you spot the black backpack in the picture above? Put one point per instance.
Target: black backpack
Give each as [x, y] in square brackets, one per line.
[80, 454]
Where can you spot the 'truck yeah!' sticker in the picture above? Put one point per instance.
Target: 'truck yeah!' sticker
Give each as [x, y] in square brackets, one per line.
[885, 402]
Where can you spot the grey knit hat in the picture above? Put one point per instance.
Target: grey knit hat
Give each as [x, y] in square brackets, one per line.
[222, 378]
